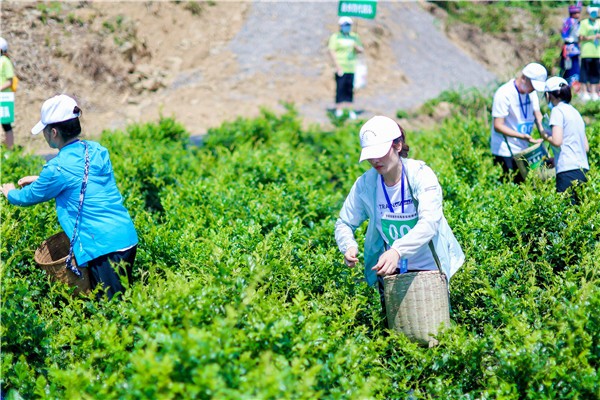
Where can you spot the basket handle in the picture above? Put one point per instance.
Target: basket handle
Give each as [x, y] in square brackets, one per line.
[431, 247]
[435, 257]
[508, 145]
[86, 170]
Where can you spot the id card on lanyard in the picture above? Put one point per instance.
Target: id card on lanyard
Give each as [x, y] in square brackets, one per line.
[525, 127]
[395, 225]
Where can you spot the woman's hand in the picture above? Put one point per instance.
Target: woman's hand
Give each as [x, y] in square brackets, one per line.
[535, 141]
[7, 187]
[388, 262]
[544, 134]
[350, 257]
[27, 180]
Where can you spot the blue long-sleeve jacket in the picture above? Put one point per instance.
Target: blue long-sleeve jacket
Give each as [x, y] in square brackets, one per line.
[104, 225]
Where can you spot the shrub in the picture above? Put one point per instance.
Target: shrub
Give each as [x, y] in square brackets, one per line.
[240, 290]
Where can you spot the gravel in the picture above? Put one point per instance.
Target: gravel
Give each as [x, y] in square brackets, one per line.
[279, 37]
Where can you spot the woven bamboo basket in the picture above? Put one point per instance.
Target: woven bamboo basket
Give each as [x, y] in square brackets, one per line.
[51, 256]
[417, 304]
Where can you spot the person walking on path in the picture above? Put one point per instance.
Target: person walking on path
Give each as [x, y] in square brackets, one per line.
[569, 61]
[7, 74]
[515, 109]
[589, 38]
[343, 47]
[567, 135]
[402, 200]
[88, 203]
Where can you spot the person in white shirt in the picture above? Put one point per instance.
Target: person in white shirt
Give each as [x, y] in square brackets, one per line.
[567, 136]
[515, 109]
[402, 200]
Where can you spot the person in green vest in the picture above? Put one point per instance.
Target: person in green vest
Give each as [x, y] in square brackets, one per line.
[7, 74]
[343, 47]
[589, 38]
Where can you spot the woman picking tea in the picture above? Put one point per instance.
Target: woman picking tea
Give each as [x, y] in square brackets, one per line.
[567, 135]
[402, 200]
[88, 203]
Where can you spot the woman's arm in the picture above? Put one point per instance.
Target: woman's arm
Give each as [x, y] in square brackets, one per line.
[557, 136]
[7, 84]
[427, 192]
[46, 187]
[501, 127]
[352, 215]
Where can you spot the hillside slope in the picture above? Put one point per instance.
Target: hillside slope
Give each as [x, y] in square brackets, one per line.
[204, 63]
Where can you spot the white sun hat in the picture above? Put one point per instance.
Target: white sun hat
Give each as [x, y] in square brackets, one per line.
[345, 20]
[537, 74]
[555, 83]
[56, 109]
[376, 137]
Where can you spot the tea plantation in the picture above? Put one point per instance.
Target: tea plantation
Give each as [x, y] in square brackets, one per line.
[241, 292]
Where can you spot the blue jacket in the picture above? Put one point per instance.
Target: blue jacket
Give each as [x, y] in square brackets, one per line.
[104, 225]
[360, 205]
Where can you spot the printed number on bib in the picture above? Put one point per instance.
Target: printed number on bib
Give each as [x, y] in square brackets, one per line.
[525, 128]
[395, 226]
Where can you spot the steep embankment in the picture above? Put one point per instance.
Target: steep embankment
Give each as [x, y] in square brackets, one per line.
[203, 64]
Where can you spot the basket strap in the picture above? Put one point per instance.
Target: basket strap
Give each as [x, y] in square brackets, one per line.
[435, 257]
[431, 247]
[86, 171]
[508, 145]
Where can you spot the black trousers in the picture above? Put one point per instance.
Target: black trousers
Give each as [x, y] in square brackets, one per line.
[566, 179]
[509, 166]
[344, 88]
[102, 271]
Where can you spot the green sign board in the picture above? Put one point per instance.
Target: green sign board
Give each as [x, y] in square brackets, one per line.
[358, 8]
[7, 107]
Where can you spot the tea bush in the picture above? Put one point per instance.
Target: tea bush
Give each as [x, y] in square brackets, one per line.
[241, 293]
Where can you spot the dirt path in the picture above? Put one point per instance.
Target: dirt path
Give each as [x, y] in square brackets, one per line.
[225, 60]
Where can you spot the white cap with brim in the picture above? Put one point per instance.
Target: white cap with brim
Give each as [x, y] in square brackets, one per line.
[376, 137]
[345, 20]
[555, 83]
[56, 109]
[537, 74]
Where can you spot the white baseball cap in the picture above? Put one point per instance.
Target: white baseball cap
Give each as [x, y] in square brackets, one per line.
[344, 20]
[3, 44]
[537, 74]
[555, 83]
[56, 109]
[376, 137]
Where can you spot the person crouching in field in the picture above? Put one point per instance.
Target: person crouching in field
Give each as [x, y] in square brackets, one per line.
[567, 136]
[88, 203]
[402, 200]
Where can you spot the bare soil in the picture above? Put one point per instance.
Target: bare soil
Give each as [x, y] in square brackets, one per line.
[207, 62]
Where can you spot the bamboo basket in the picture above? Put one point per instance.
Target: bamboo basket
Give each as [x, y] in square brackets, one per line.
[417, 304]
[51, 256]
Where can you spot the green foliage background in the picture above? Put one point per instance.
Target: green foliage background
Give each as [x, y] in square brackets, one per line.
[241, 293]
